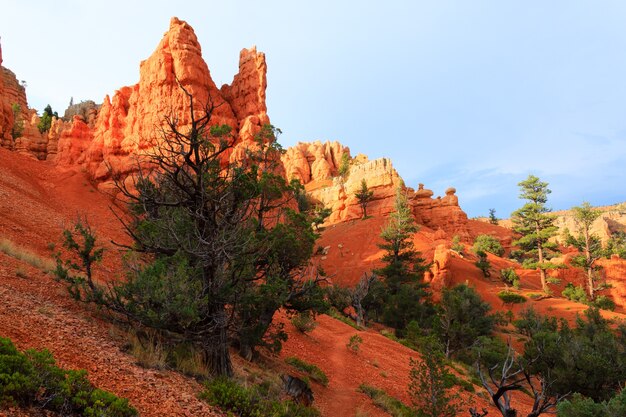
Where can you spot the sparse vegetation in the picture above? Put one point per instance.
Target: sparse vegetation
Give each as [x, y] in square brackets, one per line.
[578, 294]
[18, 122]
[33, 379]
[304, 322]
[354, 344]
[254, 401]
[389, 404]
[575, 293]
[616, 245]
[344, 165]
[347, 320]
[147, 349]
[603, 302]
[313, 371]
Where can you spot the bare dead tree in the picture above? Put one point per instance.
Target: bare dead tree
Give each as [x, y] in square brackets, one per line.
[514, 374]
[358, 294]
[474, 413]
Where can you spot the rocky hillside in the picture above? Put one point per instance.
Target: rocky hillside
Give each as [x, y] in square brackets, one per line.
[79, 154]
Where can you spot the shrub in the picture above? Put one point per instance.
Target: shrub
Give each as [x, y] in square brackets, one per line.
[509, 277]
[482, 263]
[304, 322]
[18, 122]
[575, 293]
[509, 297]
[338, 297]
[45, 122]
[354, 344]
[389, 404]
[457, 245]
[604, 302]
[254, 401]
[149, 352]
[346, 320]
[487, 243]
[344, 165]
[313, 371]
[33, 379]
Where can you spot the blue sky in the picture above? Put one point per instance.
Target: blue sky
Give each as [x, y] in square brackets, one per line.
[470, 94]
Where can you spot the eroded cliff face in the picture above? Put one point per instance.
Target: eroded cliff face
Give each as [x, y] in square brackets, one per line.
[128, 124]
[30, 141]
[317, 165]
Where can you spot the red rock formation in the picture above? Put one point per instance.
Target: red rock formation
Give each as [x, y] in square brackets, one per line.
[316, 165]
[10, 92]
[31, 142]
[440, 271]
[128, 124]
[440, 213]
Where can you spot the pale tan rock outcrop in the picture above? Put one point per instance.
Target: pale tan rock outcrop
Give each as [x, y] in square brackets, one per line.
[314, 161]
[440, 270]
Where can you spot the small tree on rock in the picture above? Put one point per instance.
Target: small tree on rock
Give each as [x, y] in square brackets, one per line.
[483, 263]
[492, 217]
[18, 122]
[364, 196]
[45, 121]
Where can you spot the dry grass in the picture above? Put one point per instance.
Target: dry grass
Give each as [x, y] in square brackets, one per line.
[148, 351]
[190, 362]
[13, 250]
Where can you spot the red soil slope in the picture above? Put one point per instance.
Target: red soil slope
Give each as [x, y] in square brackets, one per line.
[36, 202]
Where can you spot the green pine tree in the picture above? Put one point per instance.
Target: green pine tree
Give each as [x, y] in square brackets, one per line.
[586, 242]
[404, 268]
[535, 226]
[430, 388]
[364, 196]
